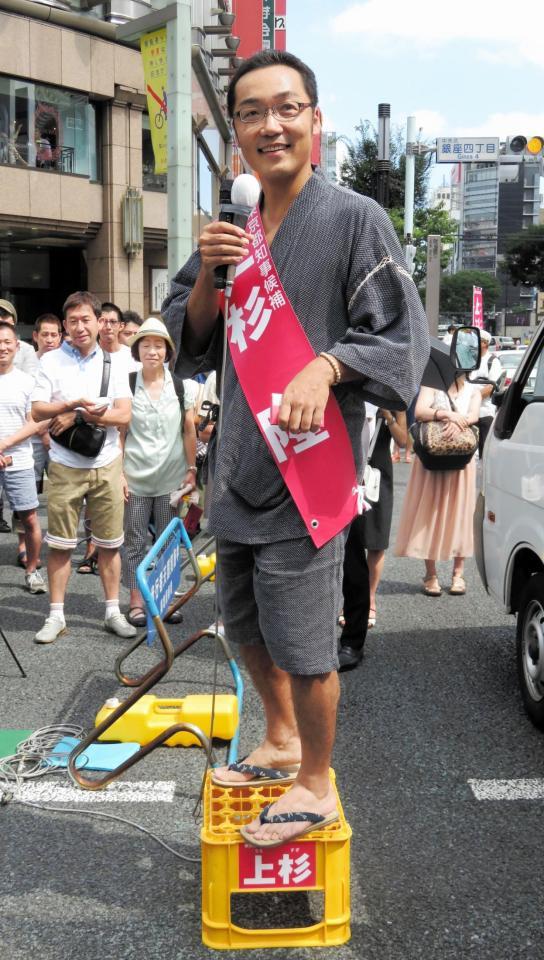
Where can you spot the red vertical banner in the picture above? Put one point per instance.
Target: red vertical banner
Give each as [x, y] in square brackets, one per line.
[280, 26]
[477, 307]
[248, 26]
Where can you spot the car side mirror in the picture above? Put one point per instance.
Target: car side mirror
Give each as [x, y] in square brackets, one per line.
[465, 350]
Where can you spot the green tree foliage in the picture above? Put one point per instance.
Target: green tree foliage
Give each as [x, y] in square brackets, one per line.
[524, 260]
[427, 221]
[358, 170]
[456, 292]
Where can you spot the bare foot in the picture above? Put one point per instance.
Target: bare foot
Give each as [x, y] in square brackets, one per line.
[297, 799]
[266, 754]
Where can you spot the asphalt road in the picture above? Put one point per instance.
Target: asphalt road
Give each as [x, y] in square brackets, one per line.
[436, 873]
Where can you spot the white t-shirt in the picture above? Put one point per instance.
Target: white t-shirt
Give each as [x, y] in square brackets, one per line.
[26, 359]
[66, 375]
[15, 392]
[124, 356]
[491, 368]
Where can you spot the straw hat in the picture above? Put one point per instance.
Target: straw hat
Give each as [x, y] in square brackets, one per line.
[9, 308]
[152, 327]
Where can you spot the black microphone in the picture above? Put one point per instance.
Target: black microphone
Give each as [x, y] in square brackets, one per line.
[237, 199]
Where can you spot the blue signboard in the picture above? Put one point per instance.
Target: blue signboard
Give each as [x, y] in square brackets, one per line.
[159, 583]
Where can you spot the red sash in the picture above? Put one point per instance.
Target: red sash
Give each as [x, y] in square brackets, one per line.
[268, 348]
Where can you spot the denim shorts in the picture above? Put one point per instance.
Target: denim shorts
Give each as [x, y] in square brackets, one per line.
[20, 488]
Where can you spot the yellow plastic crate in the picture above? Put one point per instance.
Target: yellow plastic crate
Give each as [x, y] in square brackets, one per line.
[317, 861]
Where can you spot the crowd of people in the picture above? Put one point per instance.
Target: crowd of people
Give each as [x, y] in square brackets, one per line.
[96, 410]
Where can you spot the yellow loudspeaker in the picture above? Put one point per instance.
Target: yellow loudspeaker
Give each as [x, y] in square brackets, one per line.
[151, 715]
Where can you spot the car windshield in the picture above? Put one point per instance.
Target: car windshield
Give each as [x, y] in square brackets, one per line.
[510, 361]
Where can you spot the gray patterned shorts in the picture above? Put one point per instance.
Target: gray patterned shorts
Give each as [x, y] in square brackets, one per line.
[285, 595]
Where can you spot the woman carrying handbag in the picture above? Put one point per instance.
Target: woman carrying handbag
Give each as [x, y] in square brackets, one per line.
[436, 516]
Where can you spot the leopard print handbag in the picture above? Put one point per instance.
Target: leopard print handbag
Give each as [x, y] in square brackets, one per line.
[436, 453]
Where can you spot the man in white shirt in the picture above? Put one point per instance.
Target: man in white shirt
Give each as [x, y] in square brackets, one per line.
[111, 324]
[490, 367]
[16, 462]
[25, 358]
[68, 390]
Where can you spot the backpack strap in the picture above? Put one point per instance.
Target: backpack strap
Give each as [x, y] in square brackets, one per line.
[180, 394]
[178, 387]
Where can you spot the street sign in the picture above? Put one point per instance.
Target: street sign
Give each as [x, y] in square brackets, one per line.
[467, 149]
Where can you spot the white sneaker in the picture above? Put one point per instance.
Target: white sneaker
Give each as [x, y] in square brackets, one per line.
[52, 628]
[119, 625]
[35, 582]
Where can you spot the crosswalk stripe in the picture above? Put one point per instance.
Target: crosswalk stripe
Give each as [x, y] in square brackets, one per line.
[142, 791]
[523, 789]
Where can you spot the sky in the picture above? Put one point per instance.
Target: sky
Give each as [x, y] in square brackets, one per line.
[463, 67]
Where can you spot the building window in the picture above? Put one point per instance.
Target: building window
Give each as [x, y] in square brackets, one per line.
[47, 128]
[150, 179]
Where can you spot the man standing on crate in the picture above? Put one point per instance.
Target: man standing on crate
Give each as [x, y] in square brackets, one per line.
[328, 264]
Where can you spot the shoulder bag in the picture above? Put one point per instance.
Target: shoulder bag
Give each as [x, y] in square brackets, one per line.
[84, 438]
[372, 475]
[436, 453]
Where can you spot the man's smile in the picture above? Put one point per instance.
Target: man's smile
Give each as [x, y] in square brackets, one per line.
[274, 148]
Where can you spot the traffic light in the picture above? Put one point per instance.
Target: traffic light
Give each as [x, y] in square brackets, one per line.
[532, 147]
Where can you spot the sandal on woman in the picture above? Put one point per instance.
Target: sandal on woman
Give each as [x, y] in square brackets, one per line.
[88, 564]
[431, 587]
[458, 586]
[371, 617]
[136, 616]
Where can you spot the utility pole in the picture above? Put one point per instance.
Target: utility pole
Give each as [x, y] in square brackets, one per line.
[384, 164]
[432, 290]
[410, 178]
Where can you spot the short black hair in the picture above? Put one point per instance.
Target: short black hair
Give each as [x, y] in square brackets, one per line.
[4, 325]
[47, 318]
[273, 58]
[130, 316]
[108, 307]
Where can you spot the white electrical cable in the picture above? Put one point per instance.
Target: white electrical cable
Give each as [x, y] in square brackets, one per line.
[33, 759]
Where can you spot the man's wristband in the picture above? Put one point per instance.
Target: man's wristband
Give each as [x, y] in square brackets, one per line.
[333, 363]
[191, 469]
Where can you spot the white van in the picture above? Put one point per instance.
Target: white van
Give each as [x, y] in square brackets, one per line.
[509, 518]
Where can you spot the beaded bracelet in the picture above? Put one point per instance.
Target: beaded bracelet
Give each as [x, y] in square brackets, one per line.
[333, 362]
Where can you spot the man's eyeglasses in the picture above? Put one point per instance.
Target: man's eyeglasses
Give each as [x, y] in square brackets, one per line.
[289, 110]
[108, 323]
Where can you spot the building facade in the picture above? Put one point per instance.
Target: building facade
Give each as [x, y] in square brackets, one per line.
[75, 134]
[496, 201]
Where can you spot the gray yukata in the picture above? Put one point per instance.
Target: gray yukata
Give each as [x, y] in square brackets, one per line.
[343, 270]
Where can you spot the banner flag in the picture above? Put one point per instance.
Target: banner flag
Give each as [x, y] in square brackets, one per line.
[153, 48]
[477, 307]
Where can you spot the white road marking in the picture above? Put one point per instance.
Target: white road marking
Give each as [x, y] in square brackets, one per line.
[139, 791]
[507, 789]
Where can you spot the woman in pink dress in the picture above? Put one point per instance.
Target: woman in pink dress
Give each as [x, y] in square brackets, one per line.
[436, 517]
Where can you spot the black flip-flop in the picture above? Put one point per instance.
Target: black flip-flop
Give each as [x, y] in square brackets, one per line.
[260, 775]
[314, 820]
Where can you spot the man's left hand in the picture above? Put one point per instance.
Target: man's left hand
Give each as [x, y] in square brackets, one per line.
[61, 422]
[304, 399]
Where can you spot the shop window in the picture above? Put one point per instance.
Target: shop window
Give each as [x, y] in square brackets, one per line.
[47, 128]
